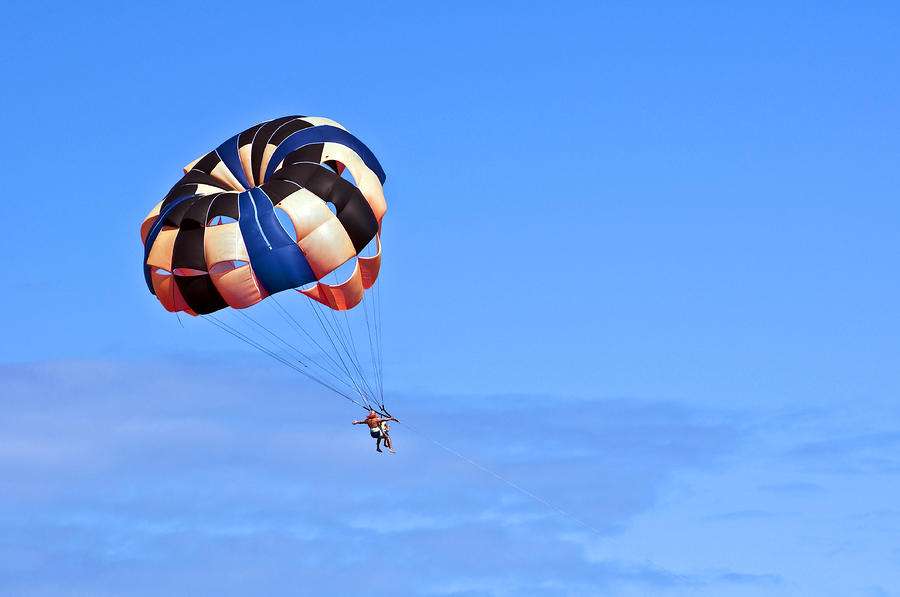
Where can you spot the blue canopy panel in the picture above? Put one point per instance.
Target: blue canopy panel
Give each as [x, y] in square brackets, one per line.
[275, 258]
[228, 153]
[323, 134]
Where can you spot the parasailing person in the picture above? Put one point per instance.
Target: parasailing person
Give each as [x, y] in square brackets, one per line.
[378, 429]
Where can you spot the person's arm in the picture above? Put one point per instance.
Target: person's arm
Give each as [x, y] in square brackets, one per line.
[358, 422]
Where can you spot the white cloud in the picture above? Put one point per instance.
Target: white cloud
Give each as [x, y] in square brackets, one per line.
[144, 468]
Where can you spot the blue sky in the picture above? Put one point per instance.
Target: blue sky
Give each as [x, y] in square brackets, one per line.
[668, 231]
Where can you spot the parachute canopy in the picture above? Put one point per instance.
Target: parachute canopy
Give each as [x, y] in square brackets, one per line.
[280, 206]
[267, 211]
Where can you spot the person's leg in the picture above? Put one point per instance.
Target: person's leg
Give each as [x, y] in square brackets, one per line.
[378, 444]
[389, 443]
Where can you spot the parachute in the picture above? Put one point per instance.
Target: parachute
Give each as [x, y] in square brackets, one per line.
[294, 203]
